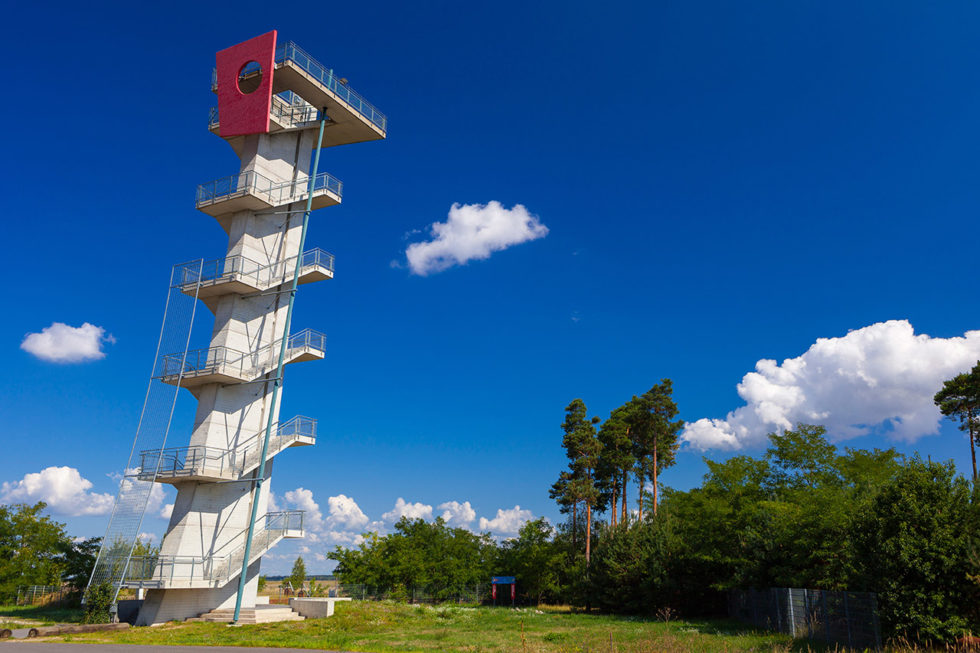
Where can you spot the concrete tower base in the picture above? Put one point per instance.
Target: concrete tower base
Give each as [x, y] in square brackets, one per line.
[161, 606]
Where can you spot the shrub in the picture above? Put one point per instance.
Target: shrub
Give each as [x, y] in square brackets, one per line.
[98, 604]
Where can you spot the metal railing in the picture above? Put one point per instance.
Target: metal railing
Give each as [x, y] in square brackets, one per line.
[289, 51]
[216, 270]
[305, 339]
[287, 108]
[250, 182]
[234, 268]
[160, 570]
[237, 364]
[295, 191]
[186, 461]
[212, 360]
[200, 460]
[247, 182]
[204, 361]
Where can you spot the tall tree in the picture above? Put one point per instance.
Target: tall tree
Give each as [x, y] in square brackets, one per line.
[79, 560]
[298, 575]
[31, 548]
[589, 448]
[616, 459]
[960, 399]
[561, 493]
[655, 435]
[578, 485]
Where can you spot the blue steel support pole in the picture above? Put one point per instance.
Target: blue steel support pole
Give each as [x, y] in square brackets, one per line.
[277, 382]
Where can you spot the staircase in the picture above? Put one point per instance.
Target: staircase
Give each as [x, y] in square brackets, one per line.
[260, 614]
[190, 572]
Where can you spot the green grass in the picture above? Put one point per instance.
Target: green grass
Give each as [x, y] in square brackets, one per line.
[384, 627]
[15, 616]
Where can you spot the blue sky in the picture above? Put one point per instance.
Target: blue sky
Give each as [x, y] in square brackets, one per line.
[721, 183]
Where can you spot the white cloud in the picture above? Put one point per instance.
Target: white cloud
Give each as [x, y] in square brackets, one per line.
[878, 378]
[344, 511]
[473, 231]
[302, 499]
[273, 504]
[167, 511]
[506, 521]
[410, 510]
[457, 514]
[60, 343]
[62, 488]
[342, 524]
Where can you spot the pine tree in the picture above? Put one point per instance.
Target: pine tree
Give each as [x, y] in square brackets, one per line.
[578, 484]
[616, 459]
[655, 435]
[960, 398]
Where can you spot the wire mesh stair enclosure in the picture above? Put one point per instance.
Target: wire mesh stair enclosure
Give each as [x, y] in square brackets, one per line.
[836, 617]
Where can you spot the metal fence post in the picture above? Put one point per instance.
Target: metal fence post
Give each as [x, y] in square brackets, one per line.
[847, 620]
[779, 620]
[792, 612]
[874, 620]
[826, 616]
[806, 612]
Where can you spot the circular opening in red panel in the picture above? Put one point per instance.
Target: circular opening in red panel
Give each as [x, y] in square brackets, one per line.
[249, 77]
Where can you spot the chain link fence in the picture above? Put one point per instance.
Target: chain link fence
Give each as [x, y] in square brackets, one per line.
[43, 595]
[842, 618]
[470, 594]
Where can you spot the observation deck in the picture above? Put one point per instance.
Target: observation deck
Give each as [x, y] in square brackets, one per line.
[241, 275]
[210, 464]
[352, 118]
[250, 190]
[193, 572]
[227, 366]
[289, 112]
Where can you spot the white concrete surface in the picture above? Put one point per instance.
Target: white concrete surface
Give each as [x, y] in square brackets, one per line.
[315, 607]
[209, 518]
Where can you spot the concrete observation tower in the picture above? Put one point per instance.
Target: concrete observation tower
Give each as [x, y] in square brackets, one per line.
[278, 109]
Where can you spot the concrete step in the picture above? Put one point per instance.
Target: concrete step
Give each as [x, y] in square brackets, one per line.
[262, 614]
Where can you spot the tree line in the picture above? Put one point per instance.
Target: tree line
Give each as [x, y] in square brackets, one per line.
[638, 440]
[803, 513]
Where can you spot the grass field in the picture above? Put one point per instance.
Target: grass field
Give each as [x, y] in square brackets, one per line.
[385, 626]
[26, 615]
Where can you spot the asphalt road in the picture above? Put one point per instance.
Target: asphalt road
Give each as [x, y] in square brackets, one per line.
[10, 646]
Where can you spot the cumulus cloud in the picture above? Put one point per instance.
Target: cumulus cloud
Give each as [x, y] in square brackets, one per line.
[457, 514]
[342, 524]
[507, 522]
[62, 488]
[410, 510]
[302, 499]
[60, 343]
[167, 511]
[473, 231]
[880, 378]
[345, 512]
